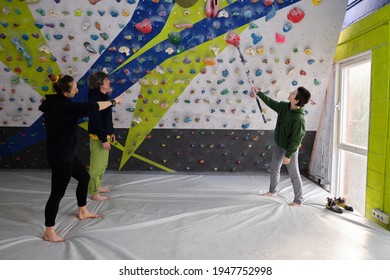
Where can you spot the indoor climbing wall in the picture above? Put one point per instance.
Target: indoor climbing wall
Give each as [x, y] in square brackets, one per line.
[187, 100]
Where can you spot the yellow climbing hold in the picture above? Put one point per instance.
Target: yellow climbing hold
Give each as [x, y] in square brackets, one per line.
[260, 50]
[78, 12]
[316, 2]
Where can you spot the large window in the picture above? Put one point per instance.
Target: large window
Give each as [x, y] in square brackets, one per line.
[354, 92]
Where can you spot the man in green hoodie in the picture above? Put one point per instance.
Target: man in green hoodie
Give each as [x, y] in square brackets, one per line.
[289, 132]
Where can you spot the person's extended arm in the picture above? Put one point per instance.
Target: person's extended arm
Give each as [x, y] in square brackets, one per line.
[274, 105]
[105, 104]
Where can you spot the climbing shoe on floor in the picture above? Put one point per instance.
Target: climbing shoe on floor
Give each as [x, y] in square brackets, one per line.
[341, 202]
[332, 206]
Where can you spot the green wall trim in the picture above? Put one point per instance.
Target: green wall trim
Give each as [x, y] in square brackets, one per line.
[375, 181]
[378, 145]
[376, 198]
[379, 108]
[378, 127]
[376, 162]
[360, 28]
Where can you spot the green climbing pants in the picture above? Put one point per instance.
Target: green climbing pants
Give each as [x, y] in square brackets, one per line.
[97, 166]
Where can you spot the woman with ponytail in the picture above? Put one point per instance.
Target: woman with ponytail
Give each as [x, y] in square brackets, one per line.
[60, 115]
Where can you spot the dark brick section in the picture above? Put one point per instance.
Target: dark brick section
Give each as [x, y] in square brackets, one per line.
[181, 150]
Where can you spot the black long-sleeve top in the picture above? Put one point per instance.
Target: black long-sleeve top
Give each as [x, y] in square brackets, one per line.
[100, 122]
[60, 115]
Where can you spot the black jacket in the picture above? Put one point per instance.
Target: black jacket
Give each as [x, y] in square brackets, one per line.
[61, 114]
[100, 122]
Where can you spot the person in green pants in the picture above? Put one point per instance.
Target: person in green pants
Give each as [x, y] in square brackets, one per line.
[289, 132]
[101, 132]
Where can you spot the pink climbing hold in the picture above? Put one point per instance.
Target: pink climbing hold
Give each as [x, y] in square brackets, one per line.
[212, 8]
[279, 38]
[295, 15]
[144, 26]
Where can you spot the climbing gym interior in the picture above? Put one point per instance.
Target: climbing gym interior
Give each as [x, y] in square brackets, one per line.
[194, 142]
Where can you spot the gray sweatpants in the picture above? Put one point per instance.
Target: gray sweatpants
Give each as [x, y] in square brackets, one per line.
[293, 170]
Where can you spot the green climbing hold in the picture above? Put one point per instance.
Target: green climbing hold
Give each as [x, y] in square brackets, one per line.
[41, 12]
[104, 35]
[180, 49]
[225, 91]
[86, 59]
[175, 37]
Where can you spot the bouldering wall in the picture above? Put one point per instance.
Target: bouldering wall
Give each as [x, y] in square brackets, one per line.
[187, 103]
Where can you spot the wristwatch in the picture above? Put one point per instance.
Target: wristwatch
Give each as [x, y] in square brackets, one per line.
[113, 102]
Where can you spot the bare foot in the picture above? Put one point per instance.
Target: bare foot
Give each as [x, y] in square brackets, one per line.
[294, 204]
[98, 197]
[85, 214]
[104, 190]
[51, 235]
[268, 194]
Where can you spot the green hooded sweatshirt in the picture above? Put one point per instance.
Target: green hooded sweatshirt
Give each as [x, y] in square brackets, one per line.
[290, 125]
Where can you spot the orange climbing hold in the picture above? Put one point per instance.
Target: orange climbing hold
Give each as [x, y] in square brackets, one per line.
[209, 61]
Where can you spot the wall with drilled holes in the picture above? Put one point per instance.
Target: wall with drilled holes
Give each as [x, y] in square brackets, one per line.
[187, 102]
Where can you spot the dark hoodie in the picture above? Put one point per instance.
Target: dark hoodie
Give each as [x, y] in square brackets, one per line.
[290, 125]
[61, 114]
[100, 122]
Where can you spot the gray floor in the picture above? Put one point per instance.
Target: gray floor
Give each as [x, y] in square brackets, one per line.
[163, 216]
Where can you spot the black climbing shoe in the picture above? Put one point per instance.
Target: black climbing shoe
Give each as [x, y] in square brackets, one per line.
[332, 206]
[341, 202]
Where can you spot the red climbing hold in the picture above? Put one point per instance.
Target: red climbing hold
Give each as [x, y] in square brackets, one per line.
[233, 39]
[295, 15]
[144, 26]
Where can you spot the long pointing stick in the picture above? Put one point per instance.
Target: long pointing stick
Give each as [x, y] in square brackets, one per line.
[234, 40]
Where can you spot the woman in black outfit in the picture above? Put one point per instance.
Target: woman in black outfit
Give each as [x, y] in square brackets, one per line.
[61, 114]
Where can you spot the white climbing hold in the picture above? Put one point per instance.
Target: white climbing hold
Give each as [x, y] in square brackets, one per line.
[125, 50]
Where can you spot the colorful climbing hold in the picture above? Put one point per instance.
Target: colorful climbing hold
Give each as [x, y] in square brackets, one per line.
[144, 26]
[175, 37]
[295, 15]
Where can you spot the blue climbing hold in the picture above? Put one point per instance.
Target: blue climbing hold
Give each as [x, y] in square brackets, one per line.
[114, 13]
[270, 14]
[287, 27]
[256, 38]
[39, 25]
[225, 73]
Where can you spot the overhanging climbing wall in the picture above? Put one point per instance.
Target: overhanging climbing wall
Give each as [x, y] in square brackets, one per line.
[186, 97]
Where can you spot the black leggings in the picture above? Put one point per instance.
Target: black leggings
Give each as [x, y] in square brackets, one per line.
[60, 177]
